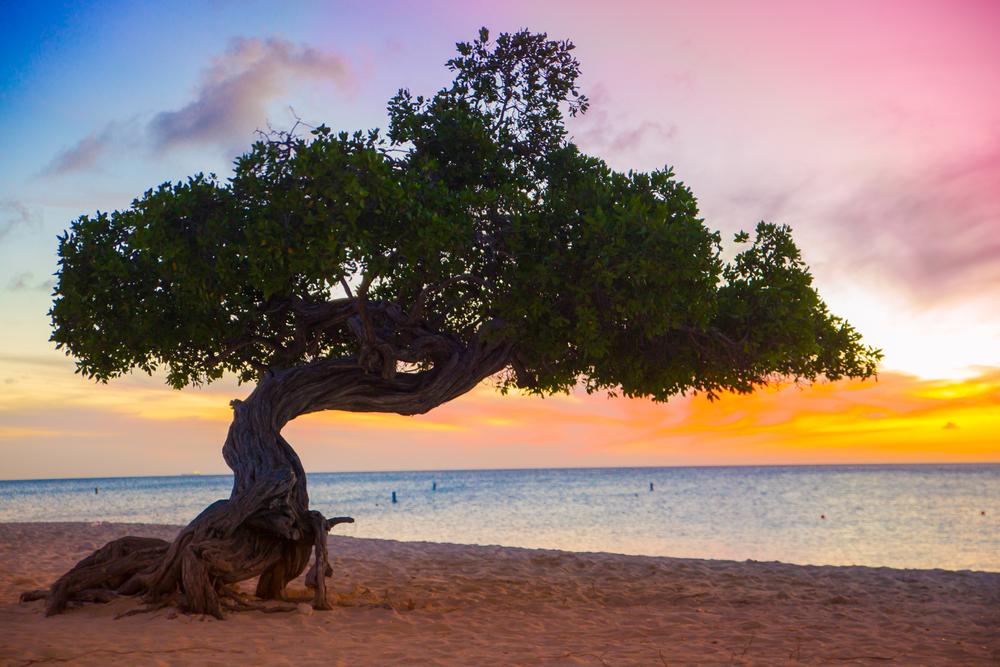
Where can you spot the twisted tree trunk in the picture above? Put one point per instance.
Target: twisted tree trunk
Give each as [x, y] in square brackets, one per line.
[265, 529]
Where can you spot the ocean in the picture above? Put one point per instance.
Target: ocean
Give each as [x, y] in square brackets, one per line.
[903, 516]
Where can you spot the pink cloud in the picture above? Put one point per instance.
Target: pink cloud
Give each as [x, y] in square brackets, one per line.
[229, 104]
[82, 155]
[231, 101]
[610, 134]
[934, 231]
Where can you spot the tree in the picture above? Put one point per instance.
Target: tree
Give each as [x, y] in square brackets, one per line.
[393, 273]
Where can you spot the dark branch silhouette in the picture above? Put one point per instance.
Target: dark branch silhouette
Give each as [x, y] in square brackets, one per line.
[393, 273]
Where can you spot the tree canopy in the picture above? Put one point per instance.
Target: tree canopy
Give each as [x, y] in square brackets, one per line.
[472, 217]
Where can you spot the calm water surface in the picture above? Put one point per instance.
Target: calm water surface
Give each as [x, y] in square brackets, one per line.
[926, 516]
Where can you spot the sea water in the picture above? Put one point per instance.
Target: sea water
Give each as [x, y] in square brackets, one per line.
[910, 516]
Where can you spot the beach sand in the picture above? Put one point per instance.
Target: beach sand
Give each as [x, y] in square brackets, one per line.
[446, 604]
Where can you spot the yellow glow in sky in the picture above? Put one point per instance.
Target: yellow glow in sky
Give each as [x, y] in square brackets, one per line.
[53, 423]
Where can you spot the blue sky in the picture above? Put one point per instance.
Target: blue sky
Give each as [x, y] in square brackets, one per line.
[873, 128]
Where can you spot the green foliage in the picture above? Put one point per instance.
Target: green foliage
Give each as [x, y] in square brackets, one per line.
[474, 216]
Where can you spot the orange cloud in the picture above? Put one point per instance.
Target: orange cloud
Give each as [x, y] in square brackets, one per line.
[55, 424]
[898, 418]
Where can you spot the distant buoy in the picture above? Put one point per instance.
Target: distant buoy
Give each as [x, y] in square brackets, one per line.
[393, 496]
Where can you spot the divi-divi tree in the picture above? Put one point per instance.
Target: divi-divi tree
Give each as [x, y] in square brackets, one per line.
[395, 271]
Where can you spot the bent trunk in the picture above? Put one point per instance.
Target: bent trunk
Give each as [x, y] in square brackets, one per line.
[266, 528]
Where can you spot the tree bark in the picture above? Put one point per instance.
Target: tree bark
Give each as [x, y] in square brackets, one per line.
[265, 528]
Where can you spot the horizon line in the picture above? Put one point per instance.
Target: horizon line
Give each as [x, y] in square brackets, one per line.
[454, 470]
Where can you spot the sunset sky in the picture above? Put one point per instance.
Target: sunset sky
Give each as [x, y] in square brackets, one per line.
[871, 127]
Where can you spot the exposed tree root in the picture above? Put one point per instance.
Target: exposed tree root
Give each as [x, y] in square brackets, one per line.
[100, 576]
[196, 575]
[265, 529]
[148, 609]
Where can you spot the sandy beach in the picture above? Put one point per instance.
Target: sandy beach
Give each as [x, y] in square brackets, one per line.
[448, 604]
